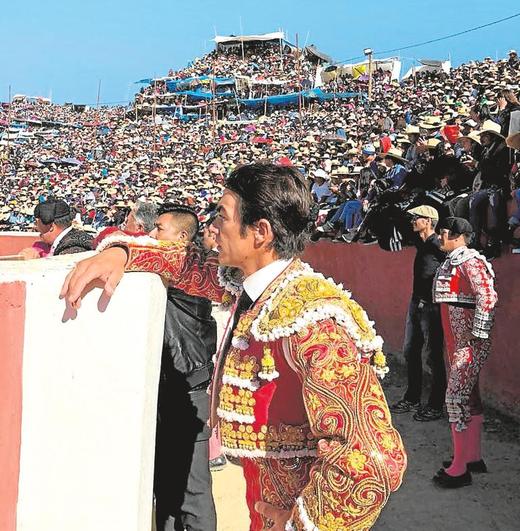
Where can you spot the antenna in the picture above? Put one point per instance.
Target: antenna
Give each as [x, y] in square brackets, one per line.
[306, 39]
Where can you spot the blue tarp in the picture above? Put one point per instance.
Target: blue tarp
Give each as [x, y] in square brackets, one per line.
[196, 94]
[278, 100]
[282, 99]
[291, 99]
[320, 95]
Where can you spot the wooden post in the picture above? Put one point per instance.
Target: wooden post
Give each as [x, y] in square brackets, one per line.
[8, 130]
[370, 76]
[298, 76]
[242, 40]
[154, 111]
[213, 108]
[281, 56]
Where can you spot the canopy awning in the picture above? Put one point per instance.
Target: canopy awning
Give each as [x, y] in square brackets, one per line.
[277, 35]
[312, 50]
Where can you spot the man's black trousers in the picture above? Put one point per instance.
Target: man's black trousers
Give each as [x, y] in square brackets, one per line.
[182, 479]
[424, 333]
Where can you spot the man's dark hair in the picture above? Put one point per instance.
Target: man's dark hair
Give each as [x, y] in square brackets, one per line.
[278, 194]
[184, 215]
[54, 211]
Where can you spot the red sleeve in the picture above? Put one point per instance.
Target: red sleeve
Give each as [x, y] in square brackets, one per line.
[186, 268]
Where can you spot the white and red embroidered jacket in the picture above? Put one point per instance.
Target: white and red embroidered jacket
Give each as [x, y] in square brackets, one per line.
[467, 278]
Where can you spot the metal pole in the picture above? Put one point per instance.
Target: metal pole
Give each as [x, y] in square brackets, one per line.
[98, 93]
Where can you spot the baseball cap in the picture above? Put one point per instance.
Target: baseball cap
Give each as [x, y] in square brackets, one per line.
[369, 149]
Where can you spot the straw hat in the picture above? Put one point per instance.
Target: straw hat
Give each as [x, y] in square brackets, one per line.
[412, 130]
[394, 153]
[489, 126]
[513, 141]
[473, 135]
[431, 122]
[432, 143]
[343, 170]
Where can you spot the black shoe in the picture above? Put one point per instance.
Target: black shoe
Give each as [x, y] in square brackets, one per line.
[218, 463]
[404, 406]
[427, 413]
[445, 481]
[477, 467]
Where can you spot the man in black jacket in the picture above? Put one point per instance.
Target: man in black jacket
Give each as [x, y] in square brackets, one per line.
[423, 322]
[182, 480]
[54, 223]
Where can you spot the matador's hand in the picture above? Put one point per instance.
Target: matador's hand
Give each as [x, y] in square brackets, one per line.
[107, 268]
[277, 515]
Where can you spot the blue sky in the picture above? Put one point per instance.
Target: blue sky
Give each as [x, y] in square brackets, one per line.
[63, 48]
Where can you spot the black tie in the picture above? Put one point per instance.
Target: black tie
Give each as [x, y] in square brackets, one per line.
[244, 303]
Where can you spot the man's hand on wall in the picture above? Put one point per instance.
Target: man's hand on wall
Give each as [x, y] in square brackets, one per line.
[105, 269]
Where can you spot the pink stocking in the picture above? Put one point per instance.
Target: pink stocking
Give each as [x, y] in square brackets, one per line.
[473, 437]
[214, 445]
[458, 465]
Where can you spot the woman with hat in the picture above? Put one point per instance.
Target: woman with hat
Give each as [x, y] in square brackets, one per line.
[507, 103]
[395, 162]
[494, 168]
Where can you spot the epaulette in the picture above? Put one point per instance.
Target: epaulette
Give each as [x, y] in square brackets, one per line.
[305, 298]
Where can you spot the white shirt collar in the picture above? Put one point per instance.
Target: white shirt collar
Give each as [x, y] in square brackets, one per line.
[256, 283]
[456, 252]
[58, 240]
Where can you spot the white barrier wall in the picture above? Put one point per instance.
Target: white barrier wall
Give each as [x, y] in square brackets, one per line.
[88, 400]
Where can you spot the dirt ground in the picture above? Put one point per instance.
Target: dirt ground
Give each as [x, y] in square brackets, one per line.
[492, 502]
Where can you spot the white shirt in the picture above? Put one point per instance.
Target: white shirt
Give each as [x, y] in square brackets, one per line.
[256, 283]
[321, 190]
[58, 240]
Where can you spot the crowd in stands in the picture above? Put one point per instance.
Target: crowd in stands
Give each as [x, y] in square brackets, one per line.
[433, 138]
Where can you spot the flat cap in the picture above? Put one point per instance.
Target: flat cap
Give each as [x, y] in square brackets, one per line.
[425, 211]
[456, 225]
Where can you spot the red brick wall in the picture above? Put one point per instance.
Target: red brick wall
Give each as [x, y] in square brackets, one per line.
[12, 310]
[14, 243]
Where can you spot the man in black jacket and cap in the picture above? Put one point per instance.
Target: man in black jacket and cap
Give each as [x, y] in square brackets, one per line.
[53, 220]
[423, 322]
[182, 479]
